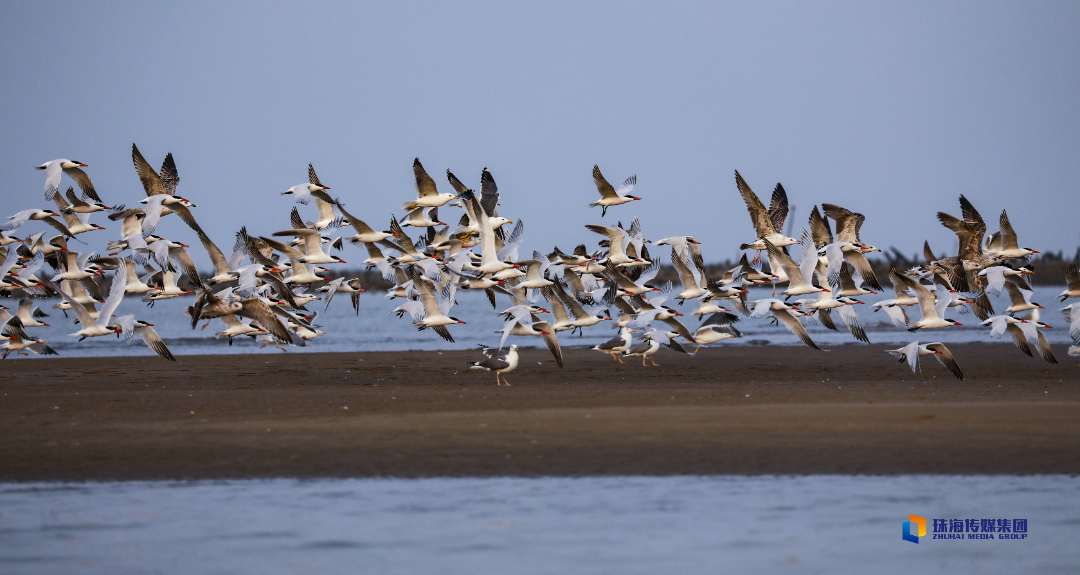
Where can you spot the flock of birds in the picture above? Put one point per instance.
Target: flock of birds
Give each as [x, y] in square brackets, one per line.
[262, 288]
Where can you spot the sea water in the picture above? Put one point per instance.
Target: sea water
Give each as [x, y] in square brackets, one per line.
[626, 525]
[375, 328]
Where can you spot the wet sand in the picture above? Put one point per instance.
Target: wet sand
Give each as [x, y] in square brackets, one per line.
[745, 410]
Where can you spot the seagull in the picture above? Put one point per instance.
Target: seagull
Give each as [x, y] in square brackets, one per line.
[499, 363]
[851, 247]
[1036, 338]
[653, 339]
[364, 232]
[913, 350]
[427, 195]
[54, 168]
[609, 196]
[616, 345]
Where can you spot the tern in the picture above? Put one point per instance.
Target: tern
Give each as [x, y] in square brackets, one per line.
[932, 309]
[913, 350]
[609, 196]
[54, 168]
[427, 195]
[717, 327]
[1072, 281]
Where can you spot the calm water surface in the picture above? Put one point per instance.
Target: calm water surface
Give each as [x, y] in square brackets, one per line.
[377, 329]
[688, 524]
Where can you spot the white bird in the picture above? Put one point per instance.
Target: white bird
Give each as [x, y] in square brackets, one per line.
[801, 276]
[1008, 247]
[913, 350]
[313, 252]
[1071, 313]
[13, 222]
[933, 309]
[1020, 299]
[762, 219]
[499, 363]
[54, 168]
[717, 327]
[1072, 281]
[304, 192]
[997, 275]
[98, 327]
[131, 327]
[427, 194]
[432, 313]
[616, 345]
[609, 196]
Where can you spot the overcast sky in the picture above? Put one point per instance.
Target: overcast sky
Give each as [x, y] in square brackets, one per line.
[889, 111]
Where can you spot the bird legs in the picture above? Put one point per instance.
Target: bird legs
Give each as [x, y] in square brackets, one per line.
[497, 380]
[649, 357]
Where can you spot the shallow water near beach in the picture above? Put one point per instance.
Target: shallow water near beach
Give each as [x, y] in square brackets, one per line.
[679, 524]
[375, 328]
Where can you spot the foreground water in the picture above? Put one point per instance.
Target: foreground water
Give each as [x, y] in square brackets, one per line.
[375, 328]
[807, 524]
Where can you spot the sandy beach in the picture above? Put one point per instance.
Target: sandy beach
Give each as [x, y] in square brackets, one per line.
[746, 410]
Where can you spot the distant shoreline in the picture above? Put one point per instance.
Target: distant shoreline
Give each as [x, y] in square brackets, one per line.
[854, 410]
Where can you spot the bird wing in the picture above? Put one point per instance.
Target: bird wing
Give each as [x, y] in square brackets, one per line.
[221, 265]
[819, 228]
[154, 342]
[791, 269]
[84, 182]
[489, 193]
[150, 179]
[862, 267]
[796, 327]
[778, 207]
[759, 216]
[116, 295]
[425, 186]
[945, 357]
[854, 324]
[80, 312]
[606, 190]
[550, 339]
[1008, 235]
[259, 311]
[1018, 338]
